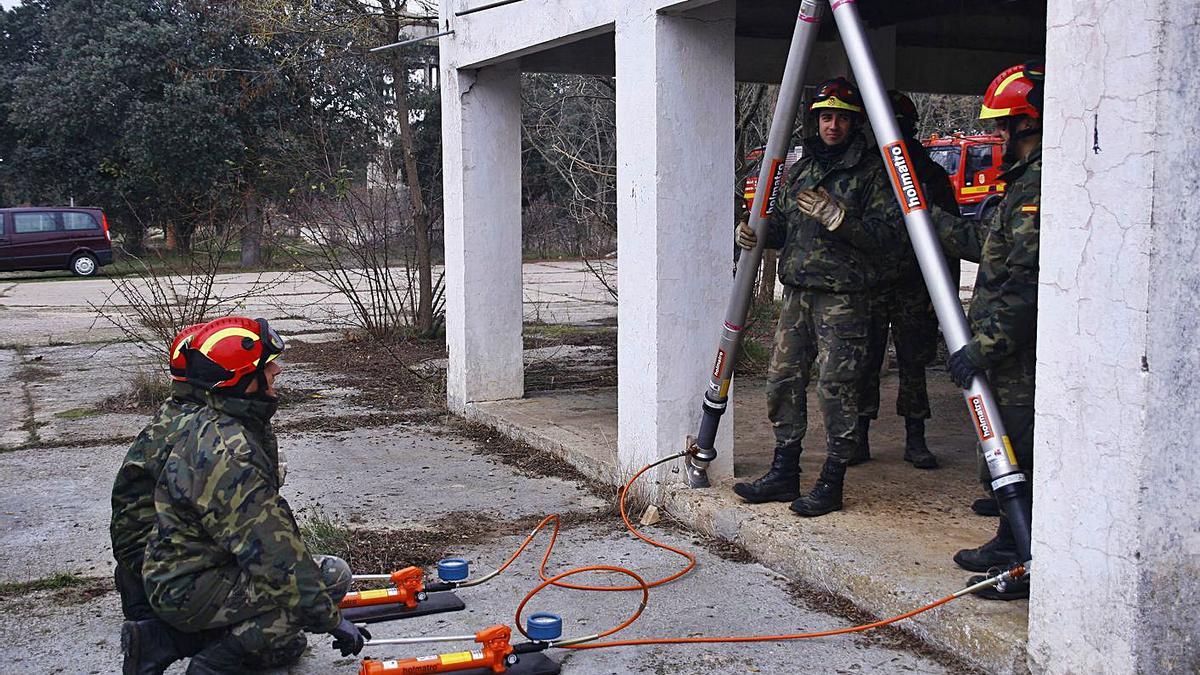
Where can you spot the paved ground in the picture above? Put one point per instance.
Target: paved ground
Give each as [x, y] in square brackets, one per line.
[57, 467]
[46, 310]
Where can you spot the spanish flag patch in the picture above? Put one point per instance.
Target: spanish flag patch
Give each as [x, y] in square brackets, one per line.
[1029, 208]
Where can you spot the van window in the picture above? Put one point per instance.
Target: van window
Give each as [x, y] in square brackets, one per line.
[24, 223]
[79, 221]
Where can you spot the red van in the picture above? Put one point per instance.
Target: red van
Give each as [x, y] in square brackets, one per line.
[54, 238]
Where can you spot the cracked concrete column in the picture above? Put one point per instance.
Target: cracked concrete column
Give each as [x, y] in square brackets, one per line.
[1116, 518]
[675, 184]
[481, 153]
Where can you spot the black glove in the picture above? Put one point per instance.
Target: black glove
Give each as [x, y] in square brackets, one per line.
[962, 368]
[349, 638]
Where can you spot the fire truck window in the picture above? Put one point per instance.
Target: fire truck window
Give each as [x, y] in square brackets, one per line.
[979, 158]
[947, 158]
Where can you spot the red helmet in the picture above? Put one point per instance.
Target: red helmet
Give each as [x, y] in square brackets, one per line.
[837, 94]
[1016, 91]
[903, 106]
[225, 351]
[177, 360]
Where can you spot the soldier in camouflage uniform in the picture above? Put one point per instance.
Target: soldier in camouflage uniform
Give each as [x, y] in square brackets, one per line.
[1003, 312]
[133, 490]
[835, 207]
[900, 301]
[225, 564]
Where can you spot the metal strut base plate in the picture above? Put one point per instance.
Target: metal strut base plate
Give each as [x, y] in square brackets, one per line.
[436, 603]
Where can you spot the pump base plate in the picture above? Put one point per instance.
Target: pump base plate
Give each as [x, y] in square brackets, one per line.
[436, 603]
[530, 664]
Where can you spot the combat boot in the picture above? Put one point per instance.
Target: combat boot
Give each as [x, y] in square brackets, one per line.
[147, 647]
[915, 450]
[862, 451]
[780, 484]
[1017, 589]
[1000, 552]
[826, 495]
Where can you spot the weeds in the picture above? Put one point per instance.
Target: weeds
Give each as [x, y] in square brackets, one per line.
[145, 391]
[77, 413]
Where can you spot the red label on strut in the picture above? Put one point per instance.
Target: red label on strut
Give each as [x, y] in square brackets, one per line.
[719, 365]
[772, 193]
[908, 188]
[983, 425]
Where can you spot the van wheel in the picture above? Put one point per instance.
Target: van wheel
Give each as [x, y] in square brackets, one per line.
[84, 265]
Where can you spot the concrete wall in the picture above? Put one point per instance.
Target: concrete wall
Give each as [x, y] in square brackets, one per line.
[1117, 526]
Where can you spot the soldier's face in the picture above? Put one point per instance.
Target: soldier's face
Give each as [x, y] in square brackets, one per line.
[833, 127]
[270, 373]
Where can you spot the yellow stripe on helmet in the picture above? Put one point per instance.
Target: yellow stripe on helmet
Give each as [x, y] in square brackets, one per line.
[986, 113]
[179, 347]
[836, 103]
[222, 334]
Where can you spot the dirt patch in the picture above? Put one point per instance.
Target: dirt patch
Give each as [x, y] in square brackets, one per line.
[382, 374]
[891, 637]
[554, 335]
[63, 589]
[523, 457]
[31, 373]
[383, 551]
[344, 423]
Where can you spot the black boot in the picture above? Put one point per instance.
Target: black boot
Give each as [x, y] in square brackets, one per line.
[1000, 552]
[986, 506]
[826, 495]
[862, 452]
[780, 484]
[147, 647]
[915, 450]
[226, 656]
[1014, 590]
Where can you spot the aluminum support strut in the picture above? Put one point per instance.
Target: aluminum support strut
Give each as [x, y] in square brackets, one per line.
[1008, 482]
[770, 179]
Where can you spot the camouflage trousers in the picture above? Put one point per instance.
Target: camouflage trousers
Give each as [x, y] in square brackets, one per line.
[830, 330]
[269, 634]
[906, 309]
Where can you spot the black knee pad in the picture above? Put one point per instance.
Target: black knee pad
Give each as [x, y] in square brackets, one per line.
[279, 656]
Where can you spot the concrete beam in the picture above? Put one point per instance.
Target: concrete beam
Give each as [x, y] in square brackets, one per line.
[675, 114]
[1116, 530]
[481, 156]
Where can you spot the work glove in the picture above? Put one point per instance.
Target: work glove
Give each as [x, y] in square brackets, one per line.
[821, 207]
[745, 237]
[962, 368]
[349, 638]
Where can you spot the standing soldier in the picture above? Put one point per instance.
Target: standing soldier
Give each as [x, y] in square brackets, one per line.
[133, 490]
[836, 206]
[900, 300]
[225, 563]
[1003, 312]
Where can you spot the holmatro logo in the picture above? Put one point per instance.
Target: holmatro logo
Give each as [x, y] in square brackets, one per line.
[902, 176]
[720, 364]
[982, 423]
[776, 177]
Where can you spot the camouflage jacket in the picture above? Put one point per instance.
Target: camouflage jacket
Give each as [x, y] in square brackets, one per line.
[1004, 308]
[133, 490]
[218, 504]
[900, 264]
[815, 258]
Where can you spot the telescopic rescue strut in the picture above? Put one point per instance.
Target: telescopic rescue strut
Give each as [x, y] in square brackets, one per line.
[1008, 482]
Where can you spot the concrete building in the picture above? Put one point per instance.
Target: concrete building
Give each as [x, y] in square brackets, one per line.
[1117, 532]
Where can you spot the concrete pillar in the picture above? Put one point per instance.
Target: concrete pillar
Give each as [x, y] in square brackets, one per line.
[675, 110]
[481, 152]
[1116, 523]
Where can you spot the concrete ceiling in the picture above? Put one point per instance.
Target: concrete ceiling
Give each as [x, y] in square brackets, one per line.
[979, 37]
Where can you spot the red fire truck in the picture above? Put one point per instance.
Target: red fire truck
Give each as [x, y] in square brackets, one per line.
[973, 163]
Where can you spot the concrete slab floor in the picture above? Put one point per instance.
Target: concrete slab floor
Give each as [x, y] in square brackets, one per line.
[888, 551]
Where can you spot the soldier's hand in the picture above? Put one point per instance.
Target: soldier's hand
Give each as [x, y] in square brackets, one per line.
[745, 236]
[821, 207]
[349, 638]
[962, 368]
